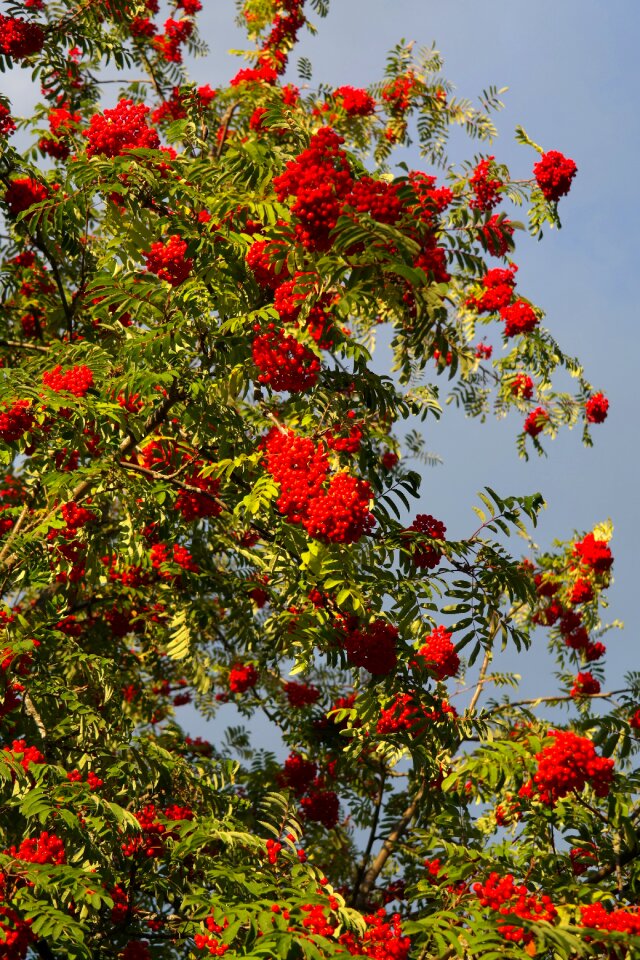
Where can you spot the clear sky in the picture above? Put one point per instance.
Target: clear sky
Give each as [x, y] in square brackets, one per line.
[570, 66]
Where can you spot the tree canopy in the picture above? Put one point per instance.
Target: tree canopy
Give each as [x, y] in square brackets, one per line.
[211, 495]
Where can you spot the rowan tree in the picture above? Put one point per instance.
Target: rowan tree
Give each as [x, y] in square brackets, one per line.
[209, 498]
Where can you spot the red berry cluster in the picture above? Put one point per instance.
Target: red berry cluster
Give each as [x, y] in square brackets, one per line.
[20, 38]
[15, 420]
[284, 363]
[486, 188]
[407, 715]
[12, 494]
[273, 55]
[7, 124]
[554, 173]
[299, 466]
[61, 123]
[355, 102]
[212, 944]
[298, 774]
[597, 917]
[502, 895]
[499, 284]
[398, 93]
[370, 645]
[569, 763]
[317, 803]
[535, 422]
[593, 553]
[47, 848]
[496, 235]
[75, 380]
[22, 193]
[168, 456]
[321, 806]
[522, 386]
[596, 408]
[319, 179]
[425, 556]
[176, 33]
[334, 508]
[15, 933]
[242, 677]
[23, 754]
[519, 318]
[301, 694]
[114, 132]
[260, 258]
[168, 261]
[581, 859]
[180, 556]
[341, 514]
[585, 685]
[378, 198]
[438, 654]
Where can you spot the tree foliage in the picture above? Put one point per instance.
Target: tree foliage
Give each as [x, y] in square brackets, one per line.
[209, 498]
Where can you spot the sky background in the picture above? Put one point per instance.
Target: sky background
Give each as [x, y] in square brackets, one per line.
[573, 84]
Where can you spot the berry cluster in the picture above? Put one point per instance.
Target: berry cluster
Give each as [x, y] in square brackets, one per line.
[179, 556]
[569, 763]
[522, 386]
[498, 286]
[371, 645]
[341, 514]
[407, 715]
[486, 188]
[596, 408]
[319, 179]
[554, 173]
[593, 553]
[212, 944]
[425, 556]
[114, 132]
[585, 685]
[15, 420]
[438, 654]
[176, 33]
[20, 38]
[301, 695]
[15, 933]
[398, 93]
[284, 363]
[519, 318]
[168, 261]
[7, 124]
[317, 803]
[22, 193]
[379, 198]
[597, 917]
[535, 422]
[502, 895]
[61, 123]
[47, 848]
[496, 235]
[75, 380]
[260, 258]
[335, 509]
[355, 102]
[242, 677]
